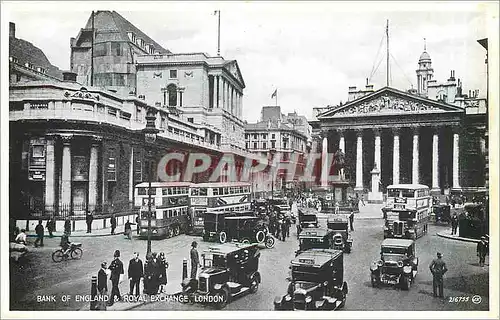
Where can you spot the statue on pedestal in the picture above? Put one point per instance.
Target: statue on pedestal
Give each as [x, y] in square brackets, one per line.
[339, 163]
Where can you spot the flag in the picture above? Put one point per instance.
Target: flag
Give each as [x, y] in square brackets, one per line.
[274, 93]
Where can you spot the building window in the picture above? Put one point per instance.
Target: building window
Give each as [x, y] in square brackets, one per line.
[191, 120]
[138, 114]
[172, 95]
[273, 144]
[40, 69]
[111, 164]
[246, 145]
[264, 145]
[255, 136]
[100, 49]
[131, 36]
[173, 74]
[125, 115]
[116, 49]
[112, 111]
[255, 145]
[264, 136]
[273, 136]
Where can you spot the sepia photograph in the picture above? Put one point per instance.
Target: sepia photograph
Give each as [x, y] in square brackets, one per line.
[249, 159]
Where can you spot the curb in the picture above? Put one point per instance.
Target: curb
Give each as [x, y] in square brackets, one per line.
[75, 235]
[442, 235]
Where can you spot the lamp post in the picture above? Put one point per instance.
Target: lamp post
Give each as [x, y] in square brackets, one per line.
[150, 135]
[273, 152]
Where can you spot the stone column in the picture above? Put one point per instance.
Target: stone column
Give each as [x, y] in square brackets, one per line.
[435, 160]
[214, 92]
[359, 161]
[378, 164]
[219, 95]
[395, 157]
[93, 172]
[342, 141]
[456, 157]
[50, 177]
[228, 100]
[324, 161]
[131, 176]
[232, 100]
[66, 174]
[415, 172]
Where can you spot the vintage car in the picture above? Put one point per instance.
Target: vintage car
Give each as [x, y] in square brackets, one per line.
[339, 223]
[229, 271]
[282, 208]
[316, 282]
[259, 206]
[224, 228]
[397, 264]
[315, 238]
[308, 218]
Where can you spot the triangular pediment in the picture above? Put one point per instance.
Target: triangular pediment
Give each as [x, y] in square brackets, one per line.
[233, 68]
[389, 101]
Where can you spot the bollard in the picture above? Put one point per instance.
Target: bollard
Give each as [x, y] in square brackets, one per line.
[93, 293]
[184, 268]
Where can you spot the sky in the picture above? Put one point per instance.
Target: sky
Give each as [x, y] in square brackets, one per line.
[310, 52]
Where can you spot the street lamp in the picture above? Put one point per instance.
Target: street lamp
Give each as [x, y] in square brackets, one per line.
[150, 135]
[273, 152]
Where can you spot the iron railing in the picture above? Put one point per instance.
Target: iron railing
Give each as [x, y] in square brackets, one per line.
[74, 211]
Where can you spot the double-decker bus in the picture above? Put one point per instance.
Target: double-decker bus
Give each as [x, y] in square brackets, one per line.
[407, 211]
[169, 207]
[217, 197]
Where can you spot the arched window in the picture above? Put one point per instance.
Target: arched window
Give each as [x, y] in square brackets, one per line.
[172, 95]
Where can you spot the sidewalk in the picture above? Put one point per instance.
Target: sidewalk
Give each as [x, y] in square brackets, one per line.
[78, 234]
[446, 234]
[369, 211]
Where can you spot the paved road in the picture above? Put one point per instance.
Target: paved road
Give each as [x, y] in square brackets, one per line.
[464, 278]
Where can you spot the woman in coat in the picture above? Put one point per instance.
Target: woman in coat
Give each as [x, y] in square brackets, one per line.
[163, 266]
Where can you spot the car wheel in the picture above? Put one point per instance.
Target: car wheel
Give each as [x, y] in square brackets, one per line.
[260, 236]
[375, 282]
[177, 230]
[344, 298]
[224, 298]
[405, 283]
[270, 242]
[254, 286]
[222, 237]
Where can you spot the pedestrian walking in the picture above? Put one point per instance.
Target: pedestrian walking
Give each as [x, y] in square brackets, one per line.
[195, 260]
[454, 224]
[288, 223]
[438, 269]
[351, 220]
[283, 229]
[39, 230]
[482, 250]
[116, 278]
[113, 223]
[67, 226]
[102, 278]
[135, 273]
[128, 229]
[51, 226]
[163, 266]
[137, 223]
[89, 218]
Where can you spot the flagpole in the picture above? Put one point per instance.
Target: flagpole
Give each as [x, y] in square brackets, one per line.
[276, 97]
[218, 33]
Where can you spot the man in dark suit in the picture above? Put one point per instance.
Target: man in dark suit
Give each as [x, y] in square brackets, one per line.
[113, 223]
[116, 268]
[438, 269]
[89, 218]
[195, 260]
[135, 273]
[482, 251]
[102, 279]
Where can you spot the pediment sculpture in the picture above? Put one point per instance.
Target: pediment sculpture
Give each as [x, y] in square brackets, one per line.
[386, 104]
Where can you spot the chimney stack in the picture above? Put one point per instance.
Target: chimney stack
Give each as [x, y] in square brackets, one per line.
[352, 89]
[12, 29]
[69, 76]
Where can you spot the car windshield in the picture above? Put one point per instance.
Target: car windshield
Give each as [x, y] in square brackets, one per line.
[308, 243]
[393, 250]
[304, 285]
[337, 226]
[214, 261]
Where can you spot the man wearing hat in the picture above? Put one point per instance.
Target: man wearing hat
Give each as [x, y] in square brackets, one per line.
[102, 278]
[482, 250]
[117, 272]
[195, 260]
[438, 269]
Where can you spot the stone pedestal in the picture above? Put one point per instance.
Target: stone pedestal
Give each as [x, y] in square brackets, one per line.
[375, 196]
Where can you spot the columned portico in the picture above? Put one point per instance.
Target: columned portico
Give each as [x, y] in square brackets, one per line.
[456, 157]
[342, 140]
[50, 176]
[359, 160]
[395, 157]
[66, 170]
[415, 179]
[324, 161]
[435, 160]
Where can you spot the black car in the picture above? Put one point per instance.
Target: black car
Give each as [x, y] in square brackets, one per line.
[397, 264]
[308, 218]
[226, 228]
[339, 223]
[315, 238]
[316, 283]
[229, 271]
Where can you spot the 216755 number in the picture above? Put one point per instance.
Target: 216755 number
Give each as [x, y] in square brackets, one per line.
[458, 299]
